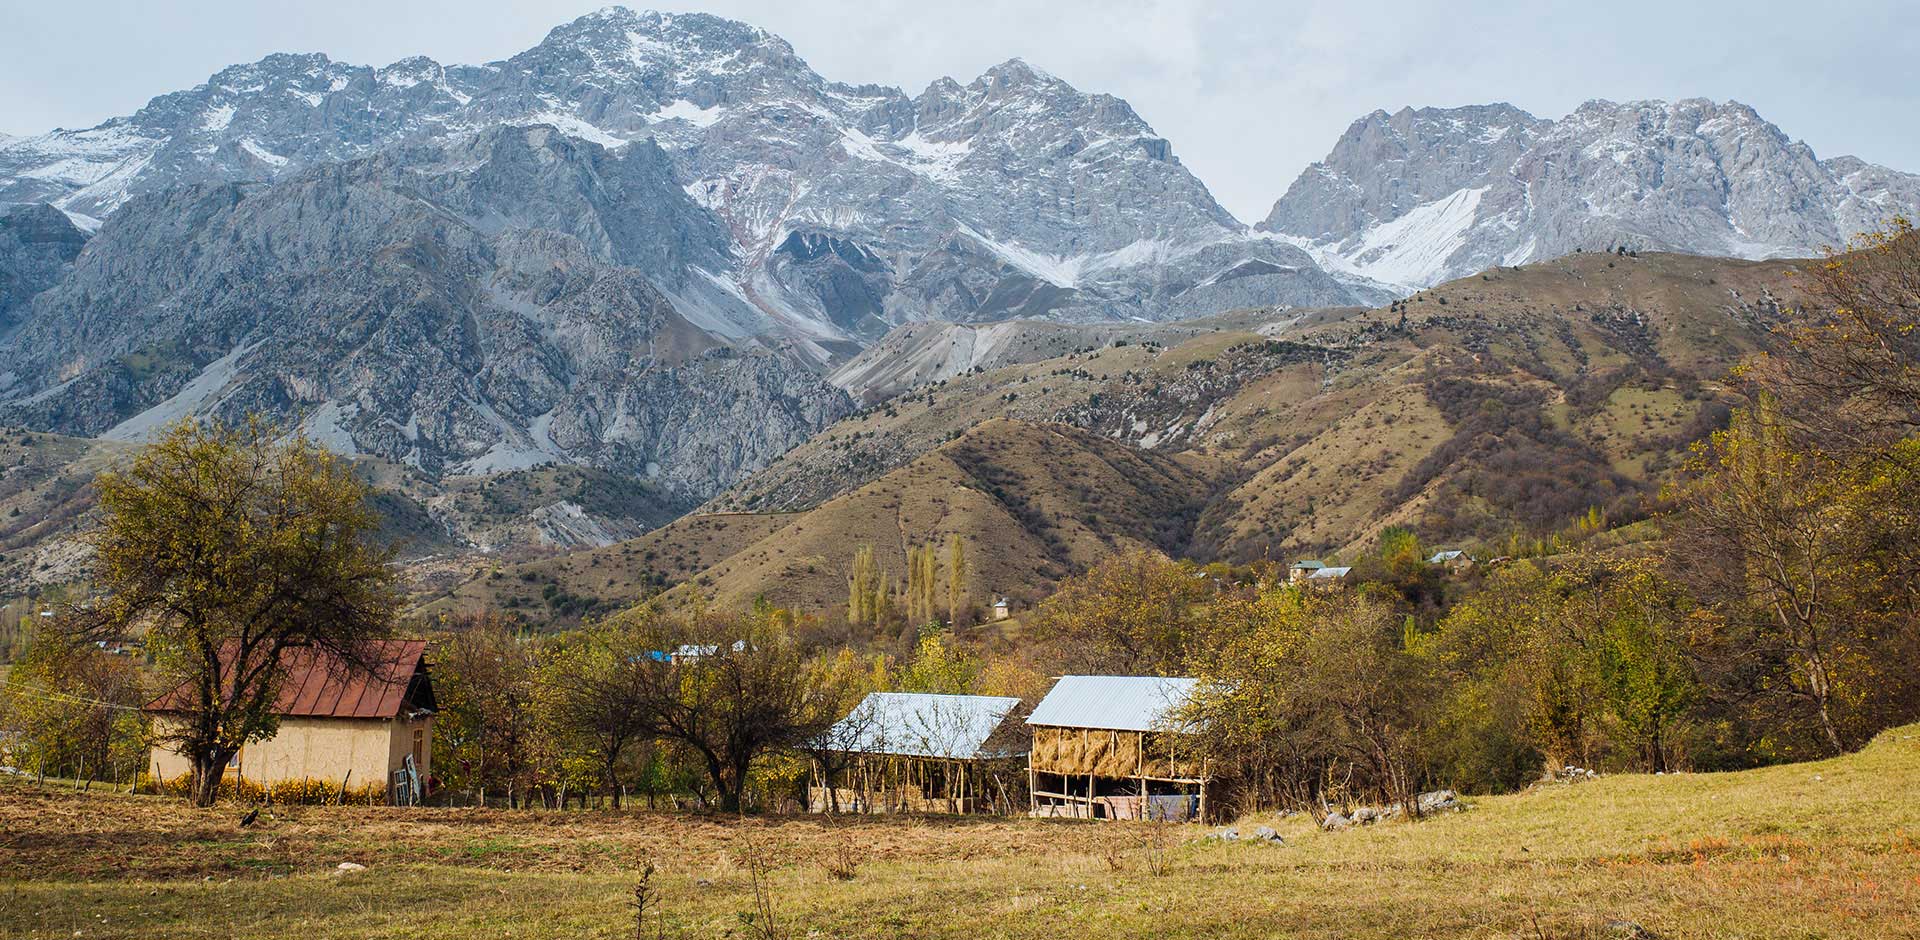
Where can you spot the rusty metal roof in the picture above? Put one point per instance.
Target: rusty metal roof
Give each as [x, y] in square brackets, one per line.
[322, 685]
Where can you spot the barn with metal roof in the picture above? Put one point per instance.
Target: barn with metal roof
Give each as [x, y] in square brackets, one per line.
[1116, 747]
[919, 752]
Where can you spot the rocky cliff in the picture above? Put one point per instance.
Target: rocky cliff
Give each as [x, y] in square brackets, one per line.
[493, 303]
[1420, 196]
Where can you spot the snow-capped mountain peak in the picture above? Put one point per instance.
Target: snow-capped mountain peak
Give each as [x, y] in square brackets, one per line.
[851, 208]
[1417, 197]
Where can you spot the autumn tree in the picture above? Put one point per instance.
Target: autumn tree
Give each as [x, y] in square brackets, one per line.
[845, 678]
[486, 681]
[73, 708]
[1400, 548]
[1849, 371]
[923, 568]
[1400, 562]
[939, 665]
[1794, 547]
[233, 551]
[1322, 688]
[1827, 456]
[1132, 613]
[1518, 698]
[738, 692]
[1587, 663]
[1637, 652]
[869, 591]
[593, 686]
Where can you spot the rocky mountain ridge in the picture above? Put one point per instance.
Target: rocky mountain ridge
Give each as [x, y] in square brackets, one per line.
[37, 246]
[849, 208]
[485, 305]
[1421, 196]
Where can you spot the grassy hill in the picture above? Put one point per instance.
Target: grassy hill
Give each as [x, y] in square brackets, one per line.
[1510, 401]
[1514, 399]
[1334, 423]
[1033, 502]
[1826, 849]
[564, 588]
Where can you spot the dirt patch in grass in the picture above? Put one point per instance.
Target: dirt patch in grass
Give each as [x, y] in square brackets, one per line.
[59, 834]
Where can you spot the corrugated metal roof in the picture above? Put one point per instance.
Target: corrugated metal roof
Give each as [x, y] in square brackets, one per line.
[1329, 574]
[318, 685]
[1113, 703]
[918, 724]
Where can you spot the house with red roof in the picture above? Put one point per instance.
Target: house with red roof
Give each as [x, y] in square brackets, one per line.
[352, 725]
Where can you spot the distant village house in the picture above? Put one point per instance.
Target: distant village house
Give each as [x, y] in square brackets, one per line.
[688, 652]
[1302, 570]
[1327, 577]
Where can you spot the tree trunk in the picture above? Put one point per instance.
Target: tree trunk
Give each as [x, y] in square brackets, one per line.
[1818, 686]
[208, 769]
[732, 787]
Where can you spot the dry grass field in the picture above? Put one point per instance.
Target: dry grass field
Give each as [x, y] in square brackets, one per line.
[616, 575]
[1828, 850]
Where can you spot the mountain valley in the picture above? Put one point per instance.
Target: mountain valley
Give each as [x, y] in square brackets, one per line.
[653, 303]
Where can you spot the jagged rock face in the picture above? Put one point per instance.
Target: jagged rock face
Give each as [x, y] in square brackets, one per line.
[484, 305]
[37, 245]
[1013, 195]
[1418, 197]
[1386, 164]
[1008, 196]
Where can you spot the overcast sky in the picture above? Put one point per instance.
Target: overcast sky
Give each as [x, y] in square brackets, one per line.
[1249, 91]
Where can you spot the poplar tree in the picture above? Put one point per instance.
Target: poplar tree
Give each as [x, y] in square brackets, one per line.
[863, 587]
[956, 578]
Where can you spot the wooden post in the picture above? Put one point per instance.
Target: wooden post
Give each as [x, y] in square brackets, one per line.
[1140, 767]
[1203, 792]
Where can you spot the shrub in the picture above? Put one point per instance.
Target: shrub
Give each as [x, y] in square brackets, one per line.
[304, 791]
